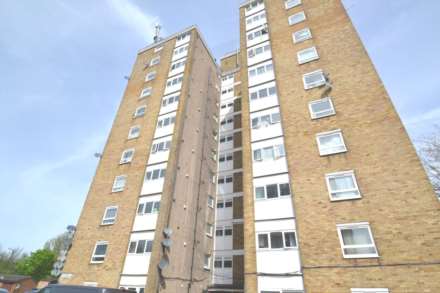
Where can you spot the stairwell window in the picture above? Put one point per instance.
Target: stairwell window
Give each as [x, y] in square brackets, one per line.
[269, 153]
[110, 214]
[301, 35]
[307, 55]
[297, 18]
[314, 79]
[291, 3]
[321, 108]
[127, 156]
[134, 132]
[99, 252]
[155, 61]
[357, 240]
[209, 230]
[331, 142]
[207, 262]
[342, 186]
[211, 202]
[271, 191]
[140, 111]
[146, 92]
[150, 76]
[148, 208]
[119, 183]
[140, 246]
[277, 240]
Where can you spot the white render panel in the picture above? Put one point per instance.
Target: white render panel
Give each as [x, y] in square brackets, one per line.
[276, 225]
[226, 166]
[225, 188]
[266, 283]
[167, 130]
[278, 261]
[255, 9]
[268, 130]
[147, 221]
[153, 186]
[268, 167]
[138, 264]
[261, 78]
[133, 281]
[262, 103]
[161, 156]
[273, 208]
[173, 88]
[222, 276]
[169, 107]
[256, 40]
[256, 23]
[260, 57]
[223, 242]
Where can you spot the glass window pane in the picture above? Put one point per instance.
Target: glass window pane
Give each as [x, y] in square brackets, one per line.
[149, 247]
[132, 247]
[289, 239]
[272, 191]
[276, 240]
[356, 236]
[101, 249]
[148, 207]
[141, 246]
[259, 192]
[217, 263]
[284, 189]
[263, 241]
[227, 263]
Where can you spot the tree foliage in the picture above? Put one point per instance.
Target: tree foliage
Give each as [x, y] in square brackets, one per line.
[57, 243]
[38, 265]
[430, 153]
[9, 259]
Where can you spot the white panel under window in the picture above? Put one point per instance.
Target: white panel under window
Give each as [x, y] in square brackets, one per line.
[173, 84]
[177, 67]
[297, 18]
[147, 213]
[261, 73]
[369, 290]
[154, 179]
[314, 79]
[256, 36]
[342, 186]
[165, 125]
[256, 20]
[301, 35]
[259, 53]
[138, 255]
[170, 103]
[263, 96]
[357, 240]
[268, 157]
[307, 55]
[291, 3]
[321, 108]
[266, 124]
[180, 52]
[160, 150]
[253, 7]
[331, 143]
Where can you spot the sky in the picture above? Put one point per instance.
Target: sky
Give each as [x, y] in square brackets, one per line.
[62, 68]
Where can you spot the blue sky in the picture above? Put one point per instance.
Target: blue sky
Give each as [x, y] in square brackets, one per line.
[62, 65]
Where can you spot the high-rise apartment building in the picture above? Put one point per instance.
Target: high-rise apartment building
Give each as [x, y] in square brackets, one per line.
[285, 170]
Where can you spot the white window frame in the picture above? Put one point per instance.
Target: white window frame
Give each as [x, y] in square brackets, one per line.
[90, 284]
[138, 109]
[127, 160]
[299, 20]
[369, 290]
[317, 115]
[155, 208]
[137, 244]
[162, 171]
[279, 196]
[291, 3]
[94, 255]
[334, 149]
[297, 40]
[130, 132]
[115, 187]
[207, 262]
[269, 241]
[146, 92]
[359, 226]
[318, 83]
[209, 229]
[342, 174]
[150, 76]
[109, 220]
[302, 60]
[211, 201]
[155, 61]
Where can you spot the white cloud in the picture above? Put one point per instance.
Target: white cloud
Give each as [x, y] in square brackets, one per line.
[134, 17]
[432, 116]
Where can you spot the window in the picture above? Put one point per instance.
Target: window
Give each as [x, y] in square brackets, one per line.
[228, 90]
[224, 139]
[228, 77]
[150, 76]
[140, 111]
[224, 179]
[223, 262]
[134, 132]
[174, 81]
[164, 122]
[301, 35]
[277, 240]
[170, 100]
[223, 231]
[291, 3]
[224, 204]
[155, 174]
[181, 50]
[140, 246]
[371, 290]
[99, 252]
[110, 214]
[119, 183]
[155, 61]
[211, 202]
[177, 64]
[321, 108]
[146, 92]
[269, 153]
[263, 92]
[266, 120]
[342, 185]
[207, 262]
[253, 52]
[297, 18]
[226, 121]
[149, 207]
[271, 191]
[356, 240]
[314, 79]
[261, 16]
[162, 146]
[260, 69]
[253, 5]
[225, 157]
[208, 229]
[307, 55]
[257, 34]
[184, 36]
[227, 105]
[127, 156]
[331, 142]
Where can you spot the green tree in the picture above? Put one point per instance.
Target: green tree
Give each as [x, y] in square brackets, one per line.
[38, 265]
[9, 259]
[57, 243]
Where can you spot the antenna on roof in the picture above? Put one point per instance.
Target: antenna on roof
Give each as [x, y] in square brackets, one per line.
[156, 33]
